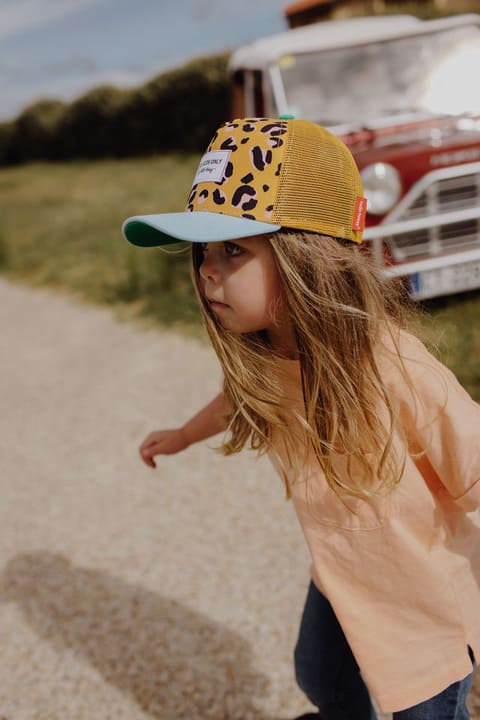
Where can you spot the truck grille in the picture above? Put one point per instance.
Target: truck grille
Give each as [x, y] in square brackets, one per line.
[460, 191]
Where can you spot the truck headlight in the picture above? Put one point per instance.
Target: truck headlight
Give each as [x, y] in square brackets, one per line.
[382, 187]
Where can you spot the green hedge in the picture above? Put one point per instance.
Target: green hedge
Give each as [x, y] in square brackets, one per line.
[176, 111]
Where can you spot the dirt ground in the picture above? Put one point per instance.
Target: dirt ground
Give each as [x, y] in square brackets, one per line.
[128, 593]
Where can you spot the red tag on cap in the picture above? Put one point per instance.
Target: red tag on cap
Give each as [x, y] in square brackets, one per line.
[359, 213]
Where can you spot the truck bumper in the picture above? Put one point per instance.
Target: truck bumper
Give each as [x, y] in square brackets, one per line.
[433, 234]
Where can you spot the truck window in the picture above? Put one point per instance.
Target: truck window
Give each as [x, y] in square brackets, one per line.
[248, 94]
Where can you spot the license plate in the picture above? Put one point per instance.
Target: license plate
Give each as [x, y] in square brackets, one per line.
[445, 280]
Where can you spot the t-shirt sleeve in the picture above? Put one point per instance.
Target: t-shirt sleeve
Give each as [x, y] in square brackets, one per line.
[443, 421]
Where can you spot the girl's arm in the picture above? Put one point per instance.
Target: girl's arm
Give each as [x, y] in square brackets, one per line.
[445, 422]
[209, 421]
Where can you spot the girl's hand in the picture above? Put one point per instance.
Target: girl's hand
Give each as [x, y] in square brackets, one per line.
[209, 421]
[162, 442]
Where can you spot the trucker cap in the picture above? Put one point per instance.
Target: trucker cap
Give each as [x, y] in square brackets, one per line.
[258, 175]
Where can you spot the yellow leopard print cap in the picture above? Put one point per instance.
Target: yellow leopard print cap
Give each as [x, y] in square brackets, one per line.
[261, 174]
[291, 173]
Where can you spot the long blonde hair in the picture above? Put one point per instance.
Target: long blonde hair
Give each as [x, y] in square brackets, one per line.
[341, 307]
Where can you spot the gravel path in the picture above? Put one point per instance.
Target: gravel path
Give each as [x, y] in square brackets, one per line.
[128, 593]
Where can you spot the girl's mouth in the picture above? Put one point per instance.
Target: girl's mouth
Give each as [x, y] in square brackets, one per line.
[216, 305]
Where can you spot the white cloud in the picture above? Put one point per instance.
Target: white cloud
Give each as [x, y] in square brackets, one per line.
[17, 16]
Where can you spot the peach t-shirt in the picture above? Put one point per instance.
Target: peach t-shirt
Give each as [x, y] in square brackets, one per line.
[402, 572]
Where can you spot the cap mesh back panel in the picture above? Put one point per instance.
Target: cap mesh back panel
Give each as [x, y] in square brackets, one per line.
[318, 185]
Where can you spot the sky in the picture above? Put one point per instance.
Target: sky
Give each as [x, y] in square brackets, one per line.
[60, 48]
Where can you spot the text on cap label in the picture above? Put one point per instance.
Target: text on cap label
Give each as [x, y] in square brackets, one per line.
[212, 166]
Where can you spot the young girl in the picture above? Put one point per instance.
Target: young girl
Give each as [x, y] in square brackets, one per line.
[376, 442]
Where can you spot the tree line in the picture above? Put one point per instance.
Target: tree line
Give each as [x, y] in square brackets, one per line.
[175, 111]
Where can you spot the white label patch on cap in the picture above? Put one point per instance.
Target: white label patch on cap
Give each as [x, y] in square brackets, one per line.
[212, 166]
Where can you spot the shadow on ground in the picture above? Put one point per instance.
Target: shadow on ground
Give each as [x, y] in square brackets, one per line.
[174, 662]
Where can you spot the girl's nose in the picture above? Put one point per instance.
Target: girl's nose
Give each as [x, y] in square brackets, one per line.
[208, 269]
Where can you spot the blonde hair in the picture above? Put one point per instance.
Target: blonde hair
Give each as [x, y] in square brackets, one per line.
[341, 308]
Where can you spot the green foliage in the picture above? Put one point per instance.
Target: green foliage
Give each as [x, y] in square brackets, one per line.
[89, 127]
[175, 111]
[6, 133]
[33, 133]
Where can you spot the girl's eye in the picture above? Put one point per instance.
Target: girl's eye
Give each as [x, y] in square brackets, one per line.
[233, 249]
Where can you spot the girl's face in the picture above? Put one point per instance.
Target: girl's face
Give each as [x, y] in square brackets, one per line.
[242, 285]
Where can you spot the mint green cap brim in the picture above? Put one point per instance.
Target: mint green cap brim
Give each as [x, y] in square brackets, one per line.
[168, 228]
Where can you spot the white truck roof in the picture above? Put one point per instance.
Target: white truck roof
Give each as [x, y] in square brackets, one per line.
[338, 33]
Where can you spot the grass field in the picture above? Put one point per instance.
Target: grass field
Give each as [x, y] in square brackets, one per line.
[60, 226]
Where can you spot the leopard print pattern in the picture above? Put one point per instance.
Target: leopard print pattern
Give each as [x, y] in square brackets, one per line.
[248, 186]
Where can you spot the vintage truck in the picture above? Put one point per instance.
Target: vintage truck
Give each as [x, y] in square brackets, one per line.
[404, 95]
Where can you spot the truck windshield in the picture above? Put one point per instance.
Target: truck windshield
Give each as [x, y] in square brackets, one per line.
[431, 73]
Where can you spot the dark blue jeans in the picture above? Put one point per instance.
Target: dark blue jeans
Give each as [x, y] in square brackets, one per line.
[327, 673]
